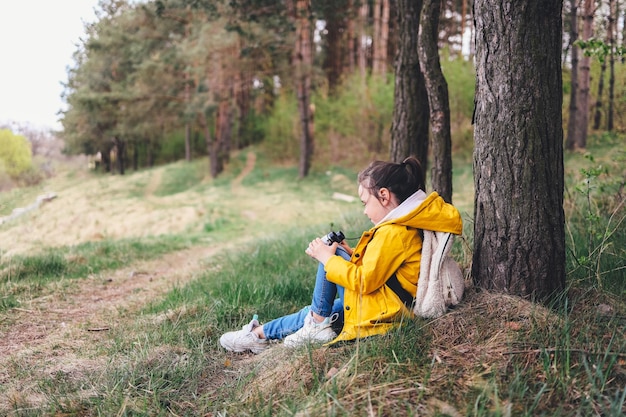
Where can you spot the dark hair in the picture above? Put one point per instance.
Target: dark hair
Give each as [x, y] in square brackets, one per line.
[401, 179]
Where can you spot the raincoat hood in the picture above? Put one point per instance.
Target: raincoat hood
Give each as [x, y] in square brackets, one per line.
[426, 212]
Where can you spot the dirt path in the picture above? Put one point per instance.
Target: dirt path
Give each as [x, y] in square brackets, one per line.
[54, 332]
[250, 163]
[94, 302]
[59, 332]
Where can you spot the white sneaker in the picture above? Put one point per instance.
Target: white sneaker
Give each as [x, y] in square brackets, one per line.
[313, 332]
[244, 339]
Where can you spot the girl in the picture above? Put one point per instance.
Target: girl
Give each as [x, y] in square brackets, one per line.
[366, 289]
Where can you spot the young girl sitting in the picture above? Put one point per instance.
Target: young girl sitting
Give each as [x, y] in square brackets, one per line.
[368, 288]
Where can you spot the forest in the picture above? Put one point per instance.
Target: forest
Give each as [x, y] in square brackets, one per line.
[212, 128]
[161, 80]
[338, 81]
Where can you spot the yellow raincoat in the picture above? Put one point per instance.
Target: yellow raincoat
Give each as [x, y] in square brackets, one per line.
[392, 246]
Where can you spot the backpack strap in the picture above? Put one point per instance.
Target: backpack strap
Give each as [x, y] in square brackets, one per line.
[404, 295]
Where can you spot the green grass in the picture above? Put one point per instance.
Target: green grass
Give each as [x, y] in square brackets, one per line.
[180, 177]
[492, 356]
[596, 214]
[28, 276]
[89, 258]
[566, 361]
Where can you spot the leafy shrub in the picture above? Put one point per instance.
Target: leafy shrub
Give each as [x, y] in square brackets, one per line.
[15, 154]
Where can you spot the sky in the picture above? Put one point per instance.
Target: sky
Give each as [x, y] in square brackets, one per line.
[37, 40]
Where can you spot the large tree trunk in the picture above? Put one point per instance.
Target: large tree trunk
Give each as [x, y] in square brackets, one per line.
[302, 61]
[519, 226]
[409, 127]
[573, 100]
[437, 89]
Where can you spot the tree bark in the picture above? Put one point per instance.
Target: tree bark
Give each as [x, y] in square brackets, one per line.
[437, 89]
[519, 226]
[409, 126]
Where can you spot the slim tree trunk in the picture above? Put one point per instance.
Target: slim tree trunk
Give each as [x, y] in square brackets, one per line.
[136, 156]
[121, 155]
[187, 141]
[597, 116]
[384, 38]
[463, 17]
[438, 101]
[335, 16]
[362, 42]
[242, 86]
[211, 147]
[302, 61]
[623, 36]
[584, 80]
[350, 62]
[519, 227]
[409, 125]
[573, 98]
[381, 37]
[106, 159]
[222, 131]
[377, 24]
[613, 10]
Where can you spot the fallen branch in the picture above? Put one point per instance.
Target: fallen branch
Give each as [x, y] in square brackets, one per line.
[98, 329]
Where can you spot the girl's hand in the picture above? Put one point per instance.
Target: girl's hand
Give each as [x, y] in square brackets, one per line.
[347, 247]
[317, 249]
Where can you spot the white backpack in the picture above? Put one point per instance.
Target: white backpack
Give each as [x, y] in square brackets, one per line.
[441, 282]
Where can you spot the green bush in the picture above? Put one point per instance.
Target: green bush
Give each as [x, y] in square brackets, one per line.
[15, 154]
[280, 130]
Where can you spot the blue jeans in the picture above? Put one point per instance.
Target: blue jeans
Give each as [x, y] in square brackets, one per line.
[327, 300]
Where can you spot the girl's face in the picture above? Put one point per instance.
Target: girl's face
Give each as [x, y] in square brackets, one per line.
[376, 208]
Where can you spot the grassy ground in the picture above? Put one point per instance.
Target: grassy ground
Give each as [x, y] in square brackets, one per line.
[113, 296]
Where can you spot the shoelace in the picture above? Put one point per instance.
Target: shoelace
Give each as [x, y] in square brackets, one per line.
[333, 318]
